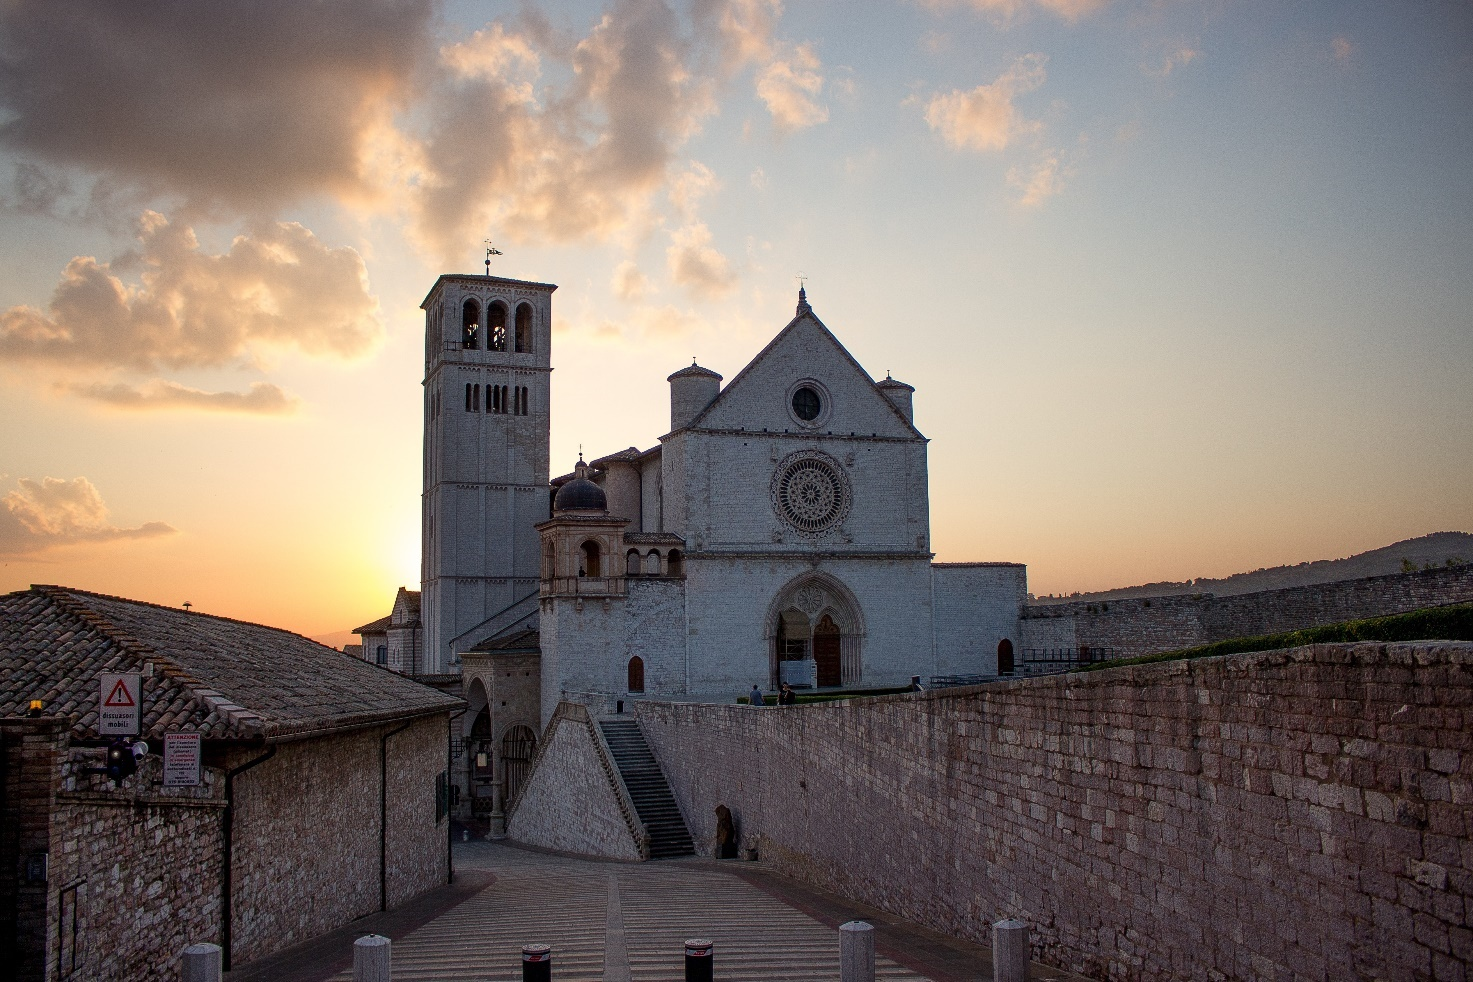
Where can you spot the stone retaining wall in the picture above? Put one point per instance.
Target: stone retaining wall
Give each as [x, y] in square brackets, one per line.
[1145, 625]
[1302, 814]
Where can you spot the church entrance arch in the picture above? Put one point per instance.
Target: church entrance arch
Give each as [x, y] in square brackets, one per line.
[815, 632]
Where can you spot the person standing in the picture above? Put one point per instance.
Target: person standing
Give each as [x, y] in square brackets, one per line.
[787, 697]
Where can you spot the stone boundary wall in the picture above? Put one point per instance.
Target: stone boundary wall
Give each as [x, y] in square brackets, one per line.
[573, 799]
[1145, 625]
[1299, 814]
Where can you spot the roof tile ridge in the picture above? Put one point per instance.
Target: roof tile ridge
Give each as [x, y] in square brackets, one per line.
[203, 696]
[73, 591]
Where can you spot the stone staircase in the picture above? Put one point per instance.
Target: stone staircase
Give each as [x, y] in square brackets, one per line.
[647, 789]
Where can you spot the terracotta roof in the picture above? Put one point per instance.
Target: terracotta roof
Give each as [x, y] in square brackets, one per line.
[520, 641]
[226, 679]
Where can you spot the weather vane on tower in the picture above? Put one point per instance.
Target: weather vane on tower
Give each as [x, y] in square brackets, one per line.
[491, 250]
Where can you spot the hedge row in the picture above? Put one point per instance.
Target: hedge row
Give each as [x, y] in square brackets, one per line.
[1451, 623]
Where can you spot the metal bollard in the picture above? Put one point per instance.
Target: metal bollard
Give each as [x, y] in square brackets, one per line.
[1010, 951]
[700, 960]
[856, 952]
[536, 963]
[371, 959]
[202, 963]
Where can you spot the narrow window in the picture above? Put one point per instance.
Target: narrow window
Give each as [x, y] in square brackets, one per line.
[636, 674]
[506, 399]
[475, 398]
[496, 327]
[1005, 657]
[470, 324]
[467, 397]
[524, 327]
[382, 655]
[494, 395]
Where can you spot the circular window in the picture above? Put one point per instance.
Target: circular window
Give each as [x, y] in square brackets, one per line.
[810, 492]
[807, 404]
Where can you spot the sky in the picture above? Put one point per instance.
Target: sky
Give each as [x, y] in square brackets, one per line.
[1185, 288]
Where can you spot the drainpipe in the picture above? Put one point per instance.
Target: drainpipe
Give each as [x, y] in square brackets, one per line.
[450, 783]
[225, 879]
[383, 815]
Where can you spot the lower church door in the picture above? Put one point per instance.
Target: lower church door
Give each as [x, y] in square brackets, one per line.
[826, 653]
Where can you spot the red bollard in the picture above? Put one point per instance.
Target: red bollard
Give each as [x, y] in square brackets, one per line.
[699, 960]
[536, 963]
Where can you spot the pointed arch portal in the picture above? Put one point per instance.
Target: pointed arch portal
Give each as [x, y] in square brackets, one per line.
[815, 632]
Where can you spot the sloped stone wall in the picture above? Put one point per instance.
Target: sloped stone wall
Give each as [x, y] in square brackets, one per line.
[571, 800]
[1295, 814]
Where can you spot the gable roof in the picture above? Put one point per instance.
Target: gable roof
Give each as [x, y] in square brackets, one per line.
[223, 678]
[380, 626]
[805, 314]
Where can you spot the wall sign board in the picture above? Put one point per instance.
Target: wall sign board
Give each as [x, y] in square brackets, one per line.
[119, 704]
[181, 760]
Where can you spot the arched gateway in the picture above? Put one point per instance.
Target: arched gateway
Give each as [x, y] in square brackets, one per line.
[815, 632]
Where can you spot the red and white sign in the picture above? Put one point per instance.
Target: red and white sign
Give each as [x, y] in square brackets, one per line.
[181, 760]
[119, 700]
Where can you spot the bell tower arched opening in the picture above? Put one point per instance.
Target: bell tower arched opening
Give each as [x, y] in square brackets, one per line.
[470, 324]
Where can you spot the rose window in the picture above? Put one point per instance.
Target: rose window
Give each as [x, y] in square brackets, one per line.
[810, 492]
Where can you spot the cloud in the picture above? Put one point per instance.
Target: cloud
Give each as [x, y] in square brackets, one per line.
[985, 118]
[1172, 60]
[55, 512]
[1004, 11]
[628, 283]
[262, 398]
[246, 106]
[1341, 49]
[277, 287]
[696, 265]
[1038, 182]
[579, 161]
[789, 86]
[691, 185]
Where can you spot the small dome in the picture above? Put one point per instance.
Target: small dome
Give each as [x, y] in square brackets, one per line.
[580, 494]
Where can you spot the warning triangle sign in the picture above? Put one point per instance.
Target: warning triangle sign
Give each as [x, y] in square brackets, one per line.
[119, 697]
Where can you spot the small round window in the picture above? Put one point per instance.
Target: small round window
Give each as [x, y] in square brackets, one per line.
[807, 404]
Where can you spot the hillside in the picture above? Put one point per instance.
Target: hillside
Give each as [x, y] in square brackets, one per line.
[1437, 549]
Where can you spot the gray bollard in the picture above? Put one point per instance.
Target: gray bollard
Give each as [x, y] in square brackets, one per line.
[1010, 951]
[202, 963]
[700, 960]
[371, 959]
[856, 952]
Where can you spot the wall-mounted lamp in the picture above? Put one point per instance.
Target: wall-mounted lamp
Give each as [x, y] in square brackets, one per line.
[35, 709]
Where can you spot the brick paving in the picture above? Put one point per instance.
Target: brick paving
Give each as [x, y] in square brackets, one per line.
[626, 922]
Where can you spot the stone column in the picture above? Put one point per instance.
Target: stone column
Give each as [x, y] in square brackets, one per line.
[856, 952]
[1010, 951]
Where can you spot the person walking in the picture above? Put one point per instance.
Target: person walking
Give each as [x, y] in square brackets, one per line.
[755, 696]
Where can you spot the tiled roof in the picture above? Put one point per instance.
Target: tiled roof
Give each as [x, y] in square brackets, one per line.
[380, 626]
[226, 679]
[521, 641]
[653, 538]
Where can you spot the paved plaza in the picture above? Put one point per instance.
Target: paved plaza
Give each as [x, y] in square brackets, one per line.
[625, 922]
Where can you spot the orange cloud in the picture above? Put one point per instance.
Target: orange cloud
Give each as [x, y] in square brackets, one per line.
[696, 265]
[985, 118]
[277, 287]
[55, 512]
[262, 398]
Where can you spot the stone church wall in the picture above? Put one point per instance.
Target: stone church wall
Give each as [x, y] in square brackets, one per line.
[976, 605]
[1292, 814]
[1139, 626]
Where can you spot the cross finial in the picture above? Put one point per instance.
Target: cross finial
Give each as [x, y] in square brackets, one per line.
[491, 250]
[803, 307]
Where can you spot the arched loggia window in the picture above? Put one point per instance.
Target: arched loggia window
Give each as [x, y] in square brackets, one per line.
[470, 324]
[588, 564]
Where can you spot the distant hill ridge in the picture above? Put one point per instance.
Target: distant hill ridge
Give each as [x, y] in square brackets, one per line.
[1423, 552]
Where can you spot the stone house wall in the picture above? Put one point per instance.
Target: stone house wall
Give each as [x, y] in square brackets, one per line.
[1143, 625]
[310, 817]
[1294, 814]
[974, 607]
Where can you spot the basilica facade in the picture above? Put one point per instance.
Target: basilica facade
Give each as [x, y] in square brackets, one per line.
[778, 532]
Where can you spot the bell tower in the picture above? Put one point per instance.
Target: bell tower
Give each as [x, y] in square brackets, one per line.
[488, 354]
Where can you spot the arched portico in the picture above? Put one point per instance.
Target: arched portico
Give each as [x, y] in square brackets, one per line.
[815, 633]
